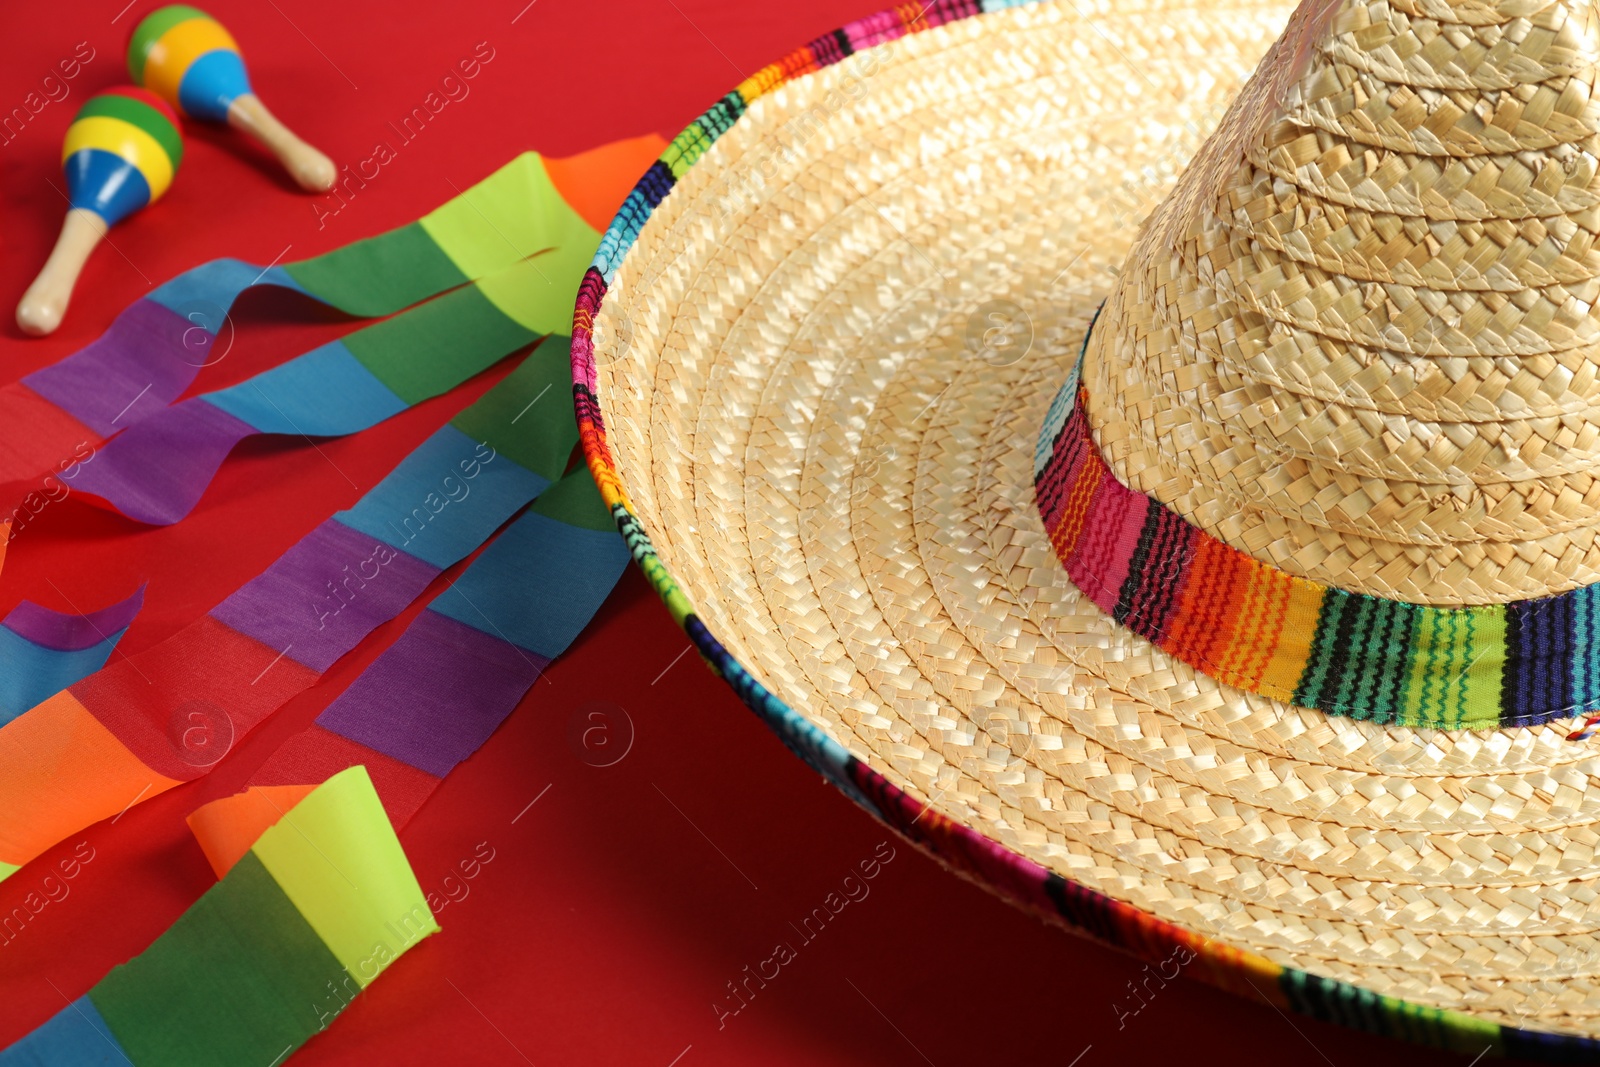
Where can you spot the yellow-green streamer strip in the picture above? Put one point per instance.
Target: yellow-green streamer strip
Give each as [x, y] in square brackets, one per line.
[318, 907]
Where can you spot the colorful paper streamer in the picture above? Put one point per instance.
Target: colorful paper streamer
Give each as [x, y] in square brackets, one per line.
[44, 651]
[156, 471]
[462, 666]
[124, 734]
[279, 932]
[151, 353]
[318, 905]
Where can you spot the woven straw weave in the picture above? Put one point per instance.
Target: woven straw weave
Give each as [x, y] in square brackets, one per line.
[1361, 342]
[840, 478]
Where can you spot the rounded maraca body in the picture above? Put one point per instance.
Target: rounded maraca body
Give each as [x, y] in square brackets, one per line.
[121, 153]
[190, 60]
[187, 58]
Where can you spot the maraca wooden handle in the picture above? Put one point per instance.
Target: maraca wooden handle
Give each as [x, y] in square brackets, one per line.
[313, 170]
[45, 302]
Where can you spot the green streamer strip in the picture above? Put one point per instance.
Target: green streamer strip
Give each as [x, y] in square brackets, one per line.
[320, 905]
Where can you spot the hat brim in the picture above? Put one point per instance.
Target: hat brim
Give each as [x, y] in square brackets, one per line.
[809, 383]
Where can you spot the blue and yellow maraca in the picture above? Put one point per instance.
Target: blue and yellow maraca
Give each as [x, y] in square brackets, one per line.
[187, 58]
[121, 152]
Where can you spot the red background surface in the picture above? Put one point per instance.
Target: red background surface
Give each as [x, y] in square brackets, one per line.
[616, 908]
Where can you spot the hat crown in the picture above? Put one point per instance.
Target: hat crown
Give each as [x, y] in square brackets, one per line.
[1360, 340]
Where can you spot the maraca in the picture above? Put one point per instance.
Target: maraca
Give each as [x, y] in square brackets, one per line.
[121, 152]
[184, 56]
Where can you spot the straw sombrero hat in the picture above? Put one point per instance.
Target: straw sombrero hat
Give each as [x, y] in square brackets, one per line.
[1263, 643]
